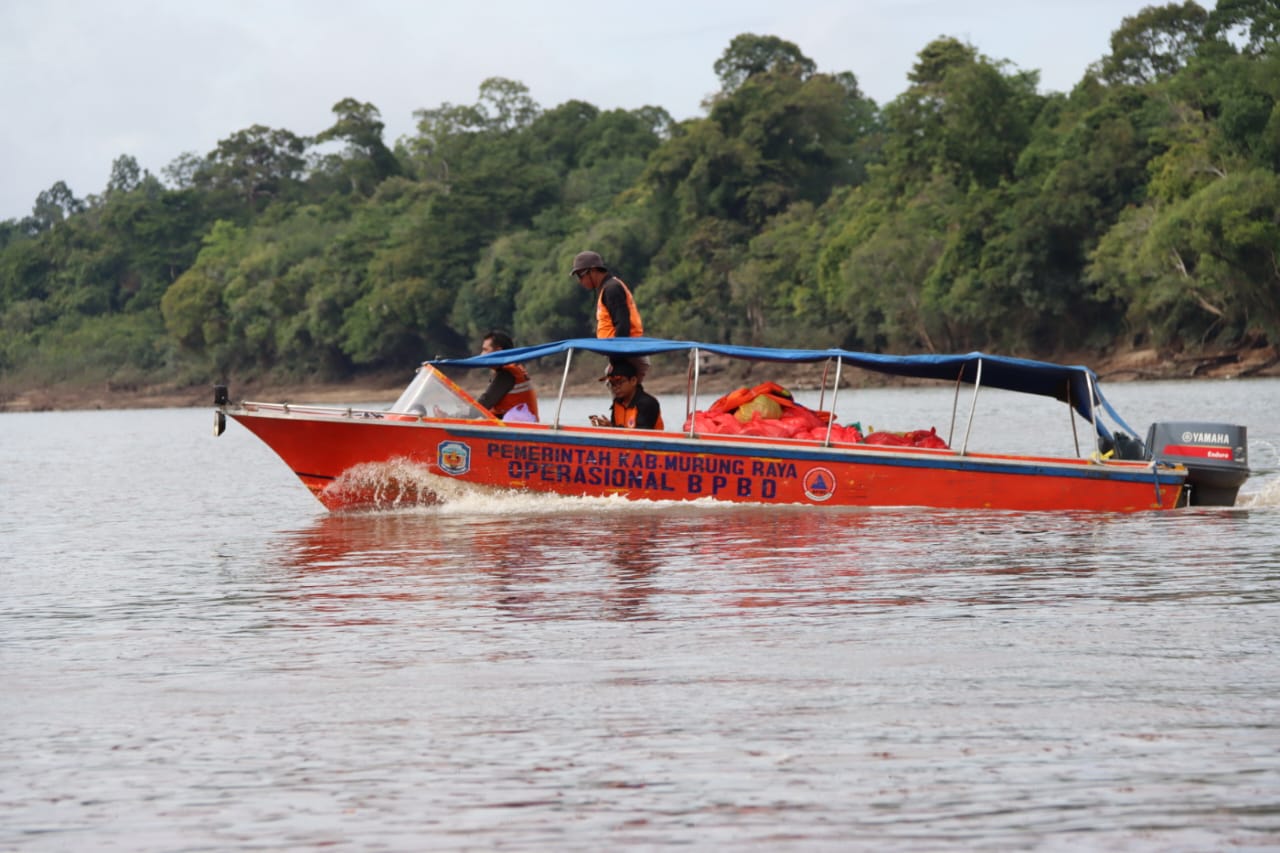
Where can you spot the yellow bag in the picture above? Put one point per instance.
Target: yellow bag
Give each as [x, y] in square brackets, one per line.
[764, 405]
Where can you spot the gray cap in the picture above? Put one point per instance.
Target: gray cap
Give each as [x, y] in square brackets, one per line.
[587, 261]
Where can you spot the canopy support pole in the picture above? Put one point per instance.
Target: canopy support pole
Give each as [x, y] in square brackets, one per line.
[973, 409]
[835, 393]
[1093, 416]
[691, 400]
[955, 404]
[822, 391]
[1071, 416]
[564, 382]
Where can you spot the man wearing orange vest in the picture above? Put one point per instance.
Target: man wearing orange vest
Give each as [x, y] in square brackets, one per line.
[633, 407]
[510, 385]
[616, 312]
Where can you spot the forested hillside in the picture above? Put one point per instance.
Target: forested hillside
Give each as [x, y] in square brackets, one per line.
[973, 211]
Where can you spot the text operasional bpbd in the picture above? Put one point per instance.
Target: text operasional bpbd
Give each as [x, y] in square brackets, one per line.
[643, 470]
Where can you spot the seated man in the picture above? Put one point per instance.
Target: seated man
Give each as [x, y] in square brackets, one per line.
[633, 408]
[510, 385]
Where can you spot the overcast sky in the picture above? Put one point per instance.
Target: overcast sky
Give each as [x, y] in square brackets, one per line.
[88, 80]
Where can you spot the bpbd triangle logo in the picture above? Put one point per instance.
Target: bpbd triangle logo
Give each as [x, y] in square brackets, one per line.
[819, 484]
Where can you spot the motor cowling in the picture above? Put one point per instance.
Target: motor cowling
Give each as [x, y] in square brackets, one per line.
[1216, 456]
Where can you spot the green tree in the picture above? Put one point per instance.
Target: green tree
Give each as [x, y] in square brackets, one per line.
[875, 266]
[749, 55]
[1155, 43]
[777, 133]
[255, 165]
[775, 286]
[963, 117]
[1203, 268]
[366, 160]
[156, 234]
[195, 314]
[54, 206]
[126, 175]
[1255, 22]
[447, 135]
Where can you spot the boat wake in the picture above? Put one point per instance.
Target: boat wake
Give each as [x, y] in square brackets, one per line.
[1264, 458]
[1268, 496]
[385, 486]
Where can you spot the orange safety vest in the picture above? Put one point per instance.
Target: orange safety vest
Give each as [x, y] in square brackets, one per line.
[625, 416]
[604, 322]
[521, 392]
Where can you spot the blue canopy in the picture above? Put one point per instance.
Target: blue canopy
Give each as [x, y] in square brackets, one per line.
[1061, 382]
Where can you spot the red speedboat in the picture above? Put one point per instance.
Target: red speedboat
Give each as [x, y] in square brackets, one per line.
[436, 442]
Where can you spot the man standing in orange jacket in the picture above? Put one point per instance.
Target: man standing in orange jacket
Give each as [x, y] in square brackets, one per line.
[616, 312]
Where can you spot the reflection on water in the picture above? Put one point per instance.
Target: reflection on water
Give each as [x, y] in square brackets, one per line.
[636, 562]
[211, 661]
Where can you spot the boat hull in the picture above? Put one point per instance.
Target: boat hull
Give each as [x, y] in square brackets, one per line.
[350, 462]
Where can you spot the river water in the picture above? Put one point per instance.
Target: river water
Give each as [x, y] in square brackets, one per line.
[195, 656]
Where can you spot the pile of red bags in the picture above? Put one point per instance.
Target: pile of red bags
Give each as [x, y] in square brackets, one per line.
[739, 413]
[797, 422]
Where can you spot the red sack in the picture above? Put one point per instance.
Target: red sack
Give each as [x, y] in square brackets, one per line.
[846, 434]
[708, 424]
[915, 438]
[891, 439]
[927, 438]
[774, 428]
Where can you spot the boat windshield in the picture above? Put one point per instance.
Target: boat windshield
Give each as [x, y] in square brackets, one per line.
[432, 394]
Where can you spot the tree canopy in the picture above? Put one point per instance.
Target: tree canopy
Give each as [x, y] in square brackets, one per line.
[973, 210]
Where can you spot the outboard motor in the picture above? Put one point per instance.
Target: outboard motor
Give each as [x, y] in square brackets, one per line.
[1216, 457]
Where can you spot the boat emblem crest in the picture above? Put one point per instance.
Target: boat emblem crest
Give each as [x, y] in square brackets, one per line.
[455, 457]
[819, 484]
